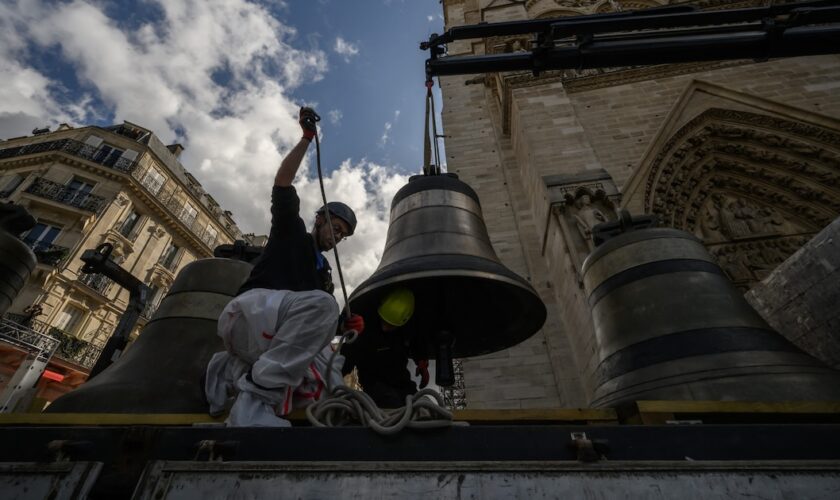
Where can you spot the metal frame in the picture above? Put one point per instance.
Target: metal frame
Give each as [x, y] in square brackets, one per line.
[646, 37]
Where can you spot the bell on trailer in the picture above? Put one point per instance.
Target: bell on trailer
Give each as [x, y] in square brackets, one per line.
[467, 302]
[671, 326]
[161, 372]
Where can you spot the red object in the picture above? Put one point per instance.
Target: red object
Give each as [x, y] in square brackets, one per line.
[354, 322]
[51, 375]
[423, 372]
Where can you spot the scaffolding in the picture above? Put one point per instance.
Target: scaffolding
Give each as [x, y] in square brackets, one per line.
[39, 349]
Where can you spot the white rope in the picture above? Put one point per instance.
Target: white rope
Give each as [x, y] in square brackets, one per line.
[347, 406]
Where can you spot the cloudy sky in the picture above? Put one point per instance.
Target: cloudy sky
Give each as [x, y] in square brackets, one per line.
[225, 78]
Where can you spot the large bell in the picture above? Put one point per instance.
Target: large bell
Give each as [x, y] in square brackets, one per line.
[16, 258]
[467, 302]
[162, 371]
[671, 326]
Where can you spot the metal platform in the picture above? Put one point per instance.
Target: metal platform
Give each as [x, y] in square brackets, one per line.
[711, 454]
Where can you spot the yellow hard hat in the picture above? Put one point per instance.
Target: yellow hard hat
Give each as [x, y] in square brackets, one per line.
[397, 307]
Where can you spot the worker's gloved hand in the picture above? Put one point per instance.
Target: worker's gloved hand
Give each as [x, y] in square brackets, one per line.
[307, 119]
[422, 371]
[354, 322]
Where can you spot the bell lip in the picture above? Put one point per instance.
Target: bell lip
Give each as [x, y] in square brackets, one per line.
[444, 182]
[442, 273]
[631, 237]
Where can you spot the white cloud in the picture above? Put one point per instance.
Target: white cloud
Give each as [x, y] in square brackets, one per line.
[430, 18]
[162, 76]
[335, 116]
[345, 49]
[386, 133]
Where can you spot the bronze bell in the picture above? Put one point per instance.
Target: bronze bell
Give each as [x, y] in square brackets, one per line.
[671, 326]
[467, 303]
[161, 372]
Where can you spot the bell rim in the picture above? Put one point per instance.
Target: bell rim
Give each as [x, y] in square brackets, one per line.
[364, 289]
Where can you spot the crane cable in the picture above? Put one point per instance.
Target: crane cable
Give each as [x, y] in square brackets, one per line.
[327, 216]
[430, 140]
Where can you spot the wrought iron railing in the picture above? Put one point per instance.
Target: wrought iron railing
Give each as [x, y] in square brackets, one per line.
[70, 348]
[59, 192]
[209, 238]
[20, 335]
[455, 397]
[149, 310]
[173, 198]
[75, 148]
[46, 253]
[96, 281]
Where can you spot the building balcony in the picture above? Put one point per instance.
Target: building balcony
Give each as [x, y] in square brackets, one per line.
[75, 148]
[174, 200]
[51, 255]
[98, 282]
[149, 310]
[70, 348]
[54, 191]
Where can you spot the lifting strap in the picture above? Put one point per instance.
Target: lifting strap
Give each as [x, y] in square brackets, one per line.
[428, 137]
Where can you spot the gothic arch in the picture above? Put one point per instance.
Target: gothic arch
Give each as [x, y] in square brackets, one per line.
[754, 187]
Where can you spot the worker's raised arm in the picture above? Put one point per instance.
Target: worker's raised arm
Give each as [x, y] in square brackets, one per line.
[290, 164]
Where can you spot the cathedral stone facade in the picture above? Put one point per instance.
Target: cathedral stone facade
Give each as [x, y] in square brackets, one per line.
[745, 155]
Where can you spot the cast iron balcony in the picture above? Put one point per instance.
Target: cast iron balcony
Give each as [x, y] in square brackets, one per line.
[149, 310]
[71, 348]
[75, 148]
[96, 281]
[62, 194]
[46, 253]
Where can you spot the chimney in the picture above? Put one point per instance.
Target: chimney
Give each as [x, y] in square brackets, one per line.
[175, 149]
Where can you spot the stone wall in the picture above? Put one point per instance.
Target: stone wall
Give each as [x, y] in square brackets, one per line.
[801, 298]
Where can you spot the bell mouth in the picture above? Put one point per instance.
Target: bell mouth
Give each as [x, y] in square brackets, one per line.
[487, 307]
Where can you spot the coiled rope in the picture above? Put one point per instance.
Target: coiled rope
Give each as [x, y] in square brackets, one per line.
[346, 406]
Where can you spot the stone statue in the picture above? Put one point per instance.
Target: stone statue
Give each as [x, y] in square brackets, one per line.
[586, 218]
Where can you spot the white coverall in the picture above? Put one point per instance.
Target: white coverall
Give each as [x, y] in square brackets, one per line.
[282, 339]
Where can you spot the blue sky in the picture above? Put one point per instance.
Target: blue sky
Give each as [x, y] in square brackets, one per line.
[225, 78]
[386, 77]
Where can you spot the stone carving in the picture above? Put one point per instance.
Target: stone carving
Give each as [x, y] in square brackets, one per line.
[586, 216]
[579, 202]
[750, 186]
[121, 200]
[748, 262]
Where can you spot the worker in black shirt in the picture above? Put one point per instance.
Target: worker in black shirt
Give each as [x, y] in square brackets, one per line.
[381, 354]
[284, 315]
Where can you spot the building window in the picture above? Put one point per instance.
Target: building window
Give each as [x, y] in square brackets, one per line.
[209, 237]
[153, 180]
[169, 257]
[107, 155]
[129, 225]
[76, 190]
[41, 236]
[70, 319]
[188, 214]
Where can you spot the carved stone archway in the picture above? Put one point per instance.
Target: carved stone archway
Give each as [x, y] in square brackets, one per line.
[753, 187]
